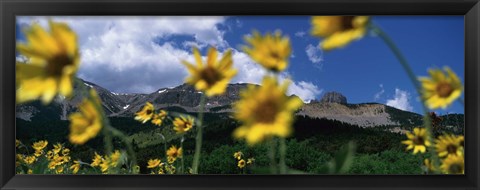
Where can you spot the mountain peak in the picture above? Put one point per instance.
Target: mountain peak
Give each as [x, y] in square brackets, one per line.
[334, 97]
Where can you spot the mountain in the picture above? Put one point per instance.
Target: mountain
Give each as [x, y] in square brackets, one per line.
[333, 106]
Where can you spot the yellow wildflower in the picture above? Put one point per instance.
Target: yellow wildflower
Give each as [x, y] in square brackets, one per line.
[417, 140]
[183, 124]
[30, 171]
[338, 31]
[29, 159]
[241, 163]
[448, 145]
[115, 158]
[75, 167]
[272, 51]
[213, 77]
[146, 113]
[153, 163]
[97, 160]
[453, 164]
[40, 145]
[57, 148]
[265, 111]
[59, 169]
[250, 161]
[105, 165]
[238, 155]
[86, 124]
[173, 153]
[440, 89]
[158, 118]
[54, 60]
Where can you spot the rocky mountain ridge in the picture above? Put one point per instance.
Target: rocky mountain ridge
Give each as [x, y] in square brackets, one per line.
[333, 105]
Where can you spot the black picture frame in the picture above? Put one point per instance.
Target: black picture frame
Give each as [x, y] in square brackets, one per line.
[11, 8]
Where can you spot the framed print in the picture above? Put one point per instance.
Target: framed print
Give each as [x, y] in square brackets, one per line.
[230, 95]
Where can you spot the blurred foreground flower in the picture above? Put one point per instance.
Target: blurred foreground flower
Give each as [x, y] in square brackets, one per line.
[265, 111]
[418, 140]
[213, 77]
[183, 124]
[440, 89]
[453, 165]
[272, 51]
[54, 60]
[158, 118]
[146, 113]
[86, 124]
[447, 145]
[338, 31]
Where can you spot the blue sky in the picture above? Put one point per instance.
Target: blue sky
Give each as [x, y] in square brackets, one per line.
[139, 54]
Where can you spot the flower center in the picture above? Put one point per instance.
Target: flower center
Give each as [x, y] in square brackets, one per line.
[452, 149]
[418, 140]
[148, 112]
[347, 23]
[455, 168]
[56, 64]
[266, 112]
[210, 75]
[444, 89]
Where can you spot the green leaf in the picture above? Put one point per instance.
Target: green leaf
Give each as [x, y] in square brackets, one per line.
[343, 159]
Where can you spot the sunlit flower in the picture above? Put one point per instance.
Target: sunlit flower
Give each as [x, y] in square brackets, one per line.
[54, 59]
[97, 160]
[153, 163]
[173, 153]
[238, 155]
[338, 31]
[87, 123]
[441, 88]
[272, 51]
[453, 164]
[250, 161]
[418, 140]
[115, 158]
[183, 124]
[146, 113]
[29, 159]
[38, 147]
[241, 163]
[158, 118]
[212, 77]
[75, 167]
[59, 169]
[448, 145]
[265, 111]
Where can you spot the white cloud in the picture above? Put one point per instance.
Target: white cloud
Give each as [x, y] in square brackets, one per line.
[401, 100]
[315, 54]
[307, 91]
[300, 34]
[378, 95]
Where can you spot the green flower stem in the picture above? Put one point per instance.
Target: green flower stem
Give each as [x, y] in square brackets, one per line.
[403, 61]
[283, 153]
[271, 155]
[127, 142]
[182, 171]
[198, 143]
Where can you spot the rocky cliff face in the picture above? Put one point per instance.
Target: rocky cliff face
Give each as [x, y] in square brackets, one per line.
[334, 97]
